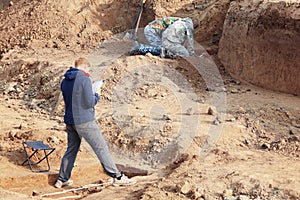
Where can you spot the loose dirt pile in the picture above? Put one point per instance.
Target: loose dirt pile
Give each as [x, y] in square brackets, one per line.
[162, 118]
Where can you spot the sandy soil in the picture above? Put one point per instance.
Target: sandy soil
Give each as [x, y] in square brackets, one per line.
[184, 129]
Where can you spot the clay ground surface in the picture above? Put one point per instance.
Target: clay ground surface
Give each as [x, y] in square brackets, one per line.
[160, 117]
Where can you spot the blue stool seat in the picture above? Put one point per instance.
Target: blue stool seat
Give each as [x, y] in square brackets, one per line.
[37, 146]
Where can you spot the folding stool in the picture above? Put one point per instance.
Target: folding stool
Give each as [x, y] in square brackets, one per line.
[36, 147]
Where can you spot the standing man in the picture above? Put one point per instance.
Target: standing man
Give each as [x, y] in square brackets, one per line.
[178, 38]
[79, 118]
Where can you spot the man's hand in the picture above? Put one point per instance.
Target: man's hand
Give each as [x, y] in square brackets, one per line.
[97, 86]
[99, 91]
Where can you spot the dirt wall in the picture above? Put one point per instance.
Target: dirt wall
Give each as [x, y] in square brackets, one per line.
[261, 44]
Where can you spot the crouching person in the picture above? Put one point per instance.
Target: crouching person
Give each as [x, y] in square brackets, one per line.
[178, 38]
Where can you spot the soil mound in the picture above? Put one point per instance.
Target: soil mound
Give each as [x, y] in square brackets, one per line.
[162, 118]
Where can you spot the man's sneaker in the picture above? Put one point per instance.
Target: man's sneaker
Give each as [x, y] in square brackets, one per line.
[60, 184]
[124, 181]
[135, 48]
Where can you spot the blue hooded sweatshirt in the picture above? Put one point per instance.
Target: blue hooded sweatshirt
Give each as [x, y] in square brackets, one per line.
[78, 97]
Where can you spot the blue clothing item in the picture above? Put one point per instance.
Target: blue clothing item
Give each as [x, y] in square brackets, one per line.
[78, 97]
[144, 48]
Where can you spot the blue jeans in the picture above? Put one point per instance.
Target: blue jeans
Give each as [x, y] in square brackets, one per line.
[91, 132]
[145, 48]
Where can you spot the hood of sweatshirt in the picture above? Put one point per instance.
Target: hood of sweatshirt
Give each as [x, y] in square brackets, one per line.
[71, 73]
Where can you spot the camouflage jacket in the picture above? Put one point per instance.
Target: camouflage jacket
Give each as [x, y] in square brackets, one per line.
[161, 24]
[181, 32]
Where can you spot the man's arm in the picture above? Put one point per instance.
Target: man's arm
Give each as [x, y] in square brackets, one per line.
[90, 98]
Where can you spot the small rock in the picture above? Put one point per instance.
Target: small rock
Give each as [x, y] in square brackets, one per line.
[23, 126]
[189, 8]
[21, 95]
[164, 94]
[212, 110]
[265, 146]
[196, 195]
[12, 133]
[244, 197]
[131, 171]
[35, 193]
[53, 139]
[18, 135]
[227, 193]
[152, 92]
[166, 117]
[242, 145]
[230, 118]
[247, 142]
[185, 187]
[234, 91]
[237, 82]
[242, 110]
